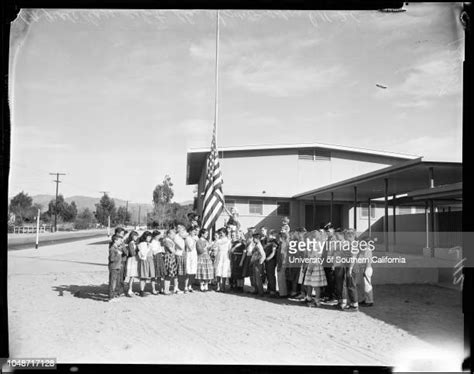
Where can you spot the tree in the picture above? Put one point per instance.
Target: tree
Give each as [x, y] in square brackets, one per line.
[85, 220]
[70, 212]
[104, 209]
[174, 213]
[20, 206]
[66, 212]
[123, 216]
[162, 196]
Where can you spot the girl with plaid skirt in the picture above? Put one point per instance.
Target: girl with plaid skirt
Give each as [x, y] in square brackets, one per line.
[170, 261]
[205, 267]
[158, 258]
[146, 265]
[180, 254]
[315, 277]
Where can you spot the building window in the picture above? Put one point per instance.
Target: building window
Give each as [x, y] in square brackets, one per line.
[230, 204]
[322, 155]
[364, 211]
[256, 207]
[404, 210]
[306, 154]
[314, 154]
[283, 208]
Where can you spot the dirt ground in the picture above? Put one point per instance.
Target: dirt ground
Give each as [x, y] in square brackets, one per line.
[57, 308]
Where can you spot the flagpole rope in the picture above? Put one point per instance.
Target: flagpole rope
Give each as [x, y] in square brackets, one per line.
[216, 103]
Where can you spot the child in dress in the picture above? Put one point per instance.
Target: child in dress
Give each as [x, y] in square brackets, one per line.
[222, 262]
[132, 261]
[315, 277]
[146, 265]
[191, 258]
[285, 225]
[256, 261]
[171, 270]
[158, 259]
[300, 236]
[205, 267]
[115, 265]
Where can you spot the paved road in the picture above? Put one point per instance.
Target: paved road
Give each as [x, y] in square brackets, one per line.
[25, 241]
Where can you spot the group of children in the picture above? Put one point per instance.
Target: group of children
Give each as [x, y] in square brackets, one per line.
[188, 256]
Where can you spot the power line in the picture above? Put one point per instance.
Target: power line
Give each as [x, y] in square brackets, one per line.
[56, 203]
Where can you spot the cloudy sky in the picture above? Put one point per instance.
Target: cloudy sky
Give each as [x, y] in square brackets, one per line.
[115, 98]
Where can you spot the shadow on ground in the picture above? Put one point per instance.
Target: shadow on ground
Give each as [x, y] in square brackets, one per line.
[430, 312]
[59, 260]
[100, 243]
[98, 293]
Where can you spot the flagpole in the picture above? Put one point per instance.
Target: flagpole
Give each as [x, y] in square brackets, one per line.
[216, 103]
[216, 99]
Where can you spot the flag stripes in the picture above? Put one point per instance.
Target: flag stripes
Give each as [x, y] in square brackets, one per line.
[213, 203]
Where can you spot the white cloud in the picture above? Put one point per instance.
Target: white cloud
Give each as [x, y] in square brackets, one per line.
[281, 78]
[432, 147]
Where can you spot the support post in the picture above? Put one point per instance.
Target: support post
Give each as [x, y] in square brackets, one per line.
[431, 171]
[314, 213]
[432, 227]
[394, 212]
[427, 225]
[385, 229]
[369, 212]
[330, 206]
[355, 208]
[108, 226]
[37, 228]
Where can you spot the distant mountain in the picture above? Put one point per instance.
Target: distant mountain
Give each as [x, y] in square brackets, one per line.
[187, 202]
[83, 202]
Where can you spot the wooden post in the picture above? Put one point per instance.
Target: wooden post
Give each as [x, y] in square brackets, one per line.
[427, 224]
[369, 212]
[355, 208]
[431, 171]
[394, 212]
[385, 234]
[314, 213]
[37, 228]
[330, 206]
[432, 226]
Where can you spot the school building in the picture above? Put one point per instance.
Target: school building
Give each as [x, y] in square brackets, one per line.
[374, 192]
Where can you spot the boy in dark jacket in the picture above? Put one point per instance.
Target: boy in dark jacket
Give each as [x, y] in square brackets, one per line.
[271, 249]
[115, 266]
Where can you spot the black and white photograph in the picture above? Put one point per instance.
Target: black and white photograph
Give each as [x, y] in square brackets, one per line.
[237, 187]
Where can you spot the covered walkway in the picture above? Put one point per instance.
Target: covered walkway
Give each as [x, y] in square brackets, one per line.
[430, 184]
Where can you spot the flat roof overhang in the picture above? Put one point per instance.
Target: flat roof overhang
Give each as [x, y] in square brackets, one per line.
[196, 157]
[411, 178]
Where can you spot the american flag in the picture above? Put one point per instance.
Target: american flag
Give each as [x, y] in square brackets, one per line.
[213, 203]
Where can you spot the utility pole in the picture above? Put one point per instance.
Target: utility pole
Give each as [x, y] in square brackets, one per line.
[56, 202]
[139, 213]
